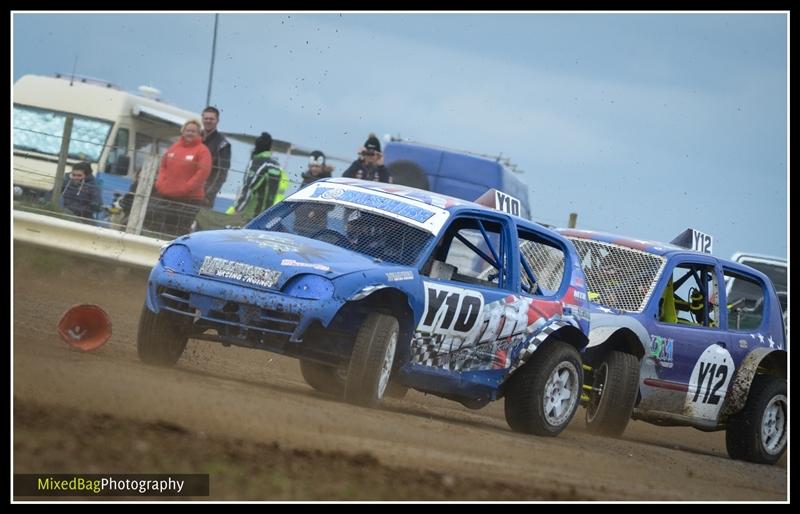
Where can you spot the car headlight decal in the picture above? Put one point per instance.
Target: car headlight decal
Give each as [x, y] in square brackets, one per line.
[177, 257]
[310, 287]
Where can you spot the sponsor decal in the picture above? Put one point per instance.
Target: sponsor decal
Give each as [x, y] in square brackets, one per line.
[709, 382]
[459, 332]
[216, 267]
[743, 343]
[661, 350]
[396, 276]
[450, 310]
[292, 262]
[578, 311]
[332, 194]
[388, 205]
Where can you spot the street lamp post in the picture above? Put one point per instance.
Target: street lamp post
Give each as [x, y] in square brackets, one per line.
[213, 53]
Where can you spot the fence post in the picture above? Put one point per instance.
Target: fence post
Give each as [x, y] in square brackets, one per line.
[142, 197]
[573, 220]
[62, 161]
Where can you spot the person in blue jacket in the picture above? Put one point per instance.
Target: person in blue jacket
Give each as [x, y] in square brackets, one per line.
[81, 192]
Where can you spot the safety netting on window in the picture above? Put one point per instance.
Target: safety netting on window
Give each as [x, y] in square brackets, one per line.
[546, 263]
[362, 231]
[618, 277]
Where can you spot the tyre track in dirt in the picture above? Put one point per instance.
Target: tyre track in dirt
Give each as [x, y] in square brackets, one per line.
[240, 398]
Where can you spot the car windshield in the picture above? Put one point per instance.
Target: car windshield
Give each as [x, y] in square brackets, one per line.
[362, 231]
[618, 277]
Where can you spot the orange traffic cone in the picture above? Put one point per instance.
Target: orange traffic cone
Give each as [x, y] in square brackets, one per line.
[85, 327]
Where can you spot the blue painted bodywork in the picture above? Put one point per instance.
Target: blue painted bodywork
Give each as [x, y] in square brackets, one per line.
[690, 374]
[304, 297]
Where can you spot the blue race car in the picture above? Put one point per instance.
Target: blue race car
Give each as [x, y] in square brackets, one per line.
[377, 288]
[671, 345]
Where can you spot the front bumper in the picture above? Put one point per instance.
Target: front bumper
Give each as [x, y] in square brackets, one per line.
[238, 313]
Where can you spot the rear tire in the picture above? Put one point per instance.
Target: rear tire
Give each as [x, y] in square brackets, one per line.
[758, 433]
[160, 340]
[325, 379]
[615, 385]
[372, 360]
[543, 395]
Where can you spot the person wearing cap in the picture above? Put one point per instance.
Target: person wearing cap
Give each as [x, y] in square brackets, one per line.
[317, 169]
[81, 193]
[265, 183]
[369, 165]
[309, 218]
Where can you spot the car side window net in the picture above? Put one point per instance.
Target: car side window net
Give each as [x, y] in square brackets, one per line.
[745, 301]
[691, 297]
[542, 265]
[470, 252]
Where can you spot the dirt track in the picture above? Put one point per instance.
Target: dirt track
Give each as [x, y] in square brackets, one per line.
[249, 420]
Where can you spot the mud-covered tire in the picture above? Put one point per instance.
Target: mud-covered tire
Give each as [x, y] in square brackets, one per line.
[543, 395]
[372, 360]
[160, 340]
[325, 379]
[758, 433]
[615, 385]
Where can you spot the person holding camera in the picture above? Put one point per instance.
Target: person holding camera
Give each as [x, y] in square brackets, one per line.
[369, 165]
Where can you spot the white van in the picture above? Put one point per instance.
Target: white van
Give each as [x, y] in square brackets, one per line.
[110, 125]
[773, 267]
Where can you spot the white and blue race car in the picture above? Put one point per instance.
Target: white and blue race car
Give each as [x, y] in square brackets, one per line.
[377, 288]
[671, 345]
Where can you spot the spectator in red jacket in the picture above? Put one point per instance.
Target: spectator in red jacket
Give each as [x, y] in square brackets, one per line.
[180, 186]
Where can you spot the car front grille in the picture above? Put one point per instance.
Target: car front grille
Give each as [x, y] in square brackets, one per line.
[228, 317]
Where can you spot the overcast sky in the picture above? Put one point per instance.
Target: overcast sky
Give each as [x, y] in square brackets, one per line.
[643, 124]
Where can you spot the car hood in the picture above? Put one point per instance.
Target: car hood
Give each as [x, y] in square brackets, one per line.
[288, 254]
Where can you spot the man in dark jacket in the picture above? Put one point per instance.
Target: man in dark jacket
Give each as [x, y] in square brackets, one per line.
[80, 193]
[369, 165]
[220, 150]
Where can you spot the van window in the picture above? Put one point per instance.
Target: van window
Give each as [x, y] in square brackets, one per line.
[118, 161]
[745, 302]
[41, 130]
[146, 146]
[163, 146]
